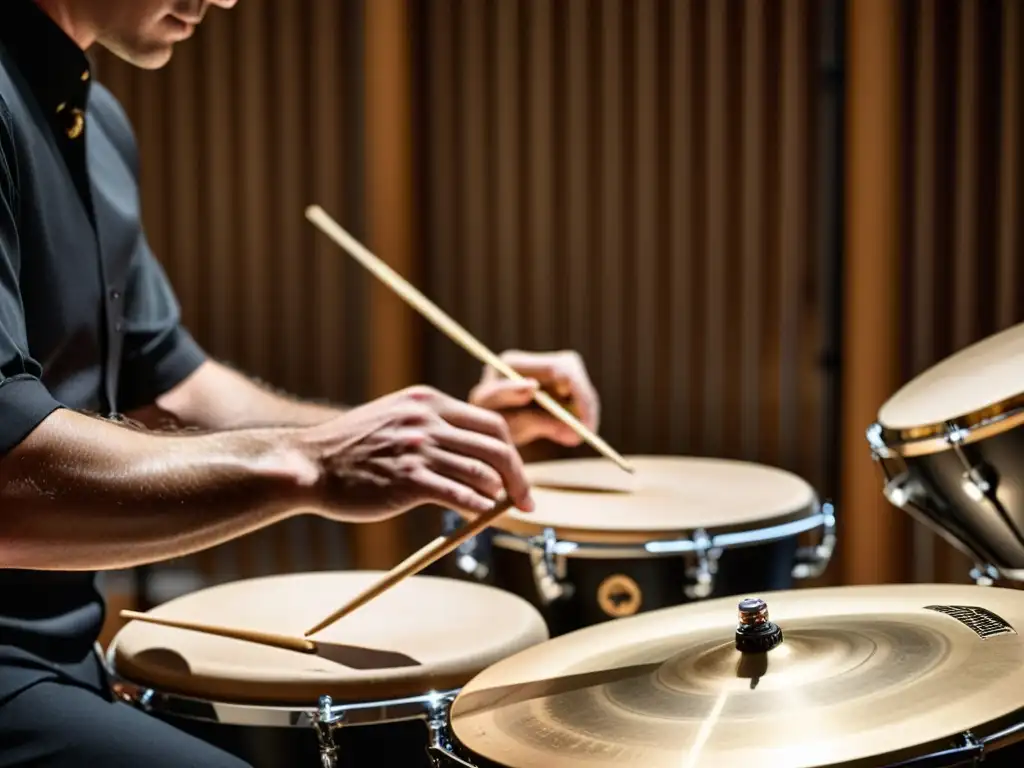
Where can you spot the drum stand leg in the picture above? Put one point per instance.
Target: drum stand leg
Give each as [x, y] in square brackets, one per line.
[326, 722]
[441, 750]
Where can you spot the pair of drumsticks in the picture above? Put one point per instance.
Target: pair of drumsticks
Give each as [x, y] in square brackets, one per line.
[442, 545]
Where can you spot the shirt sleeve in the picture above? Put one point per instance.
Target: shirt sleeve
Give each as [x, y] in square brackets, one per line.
[24, 401]
[159, 353]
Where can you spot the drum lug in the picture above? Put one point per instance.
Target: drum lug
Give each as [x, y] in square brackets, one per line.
[811, 562]
[701, 577]
[549, 568]
[472, 567]
[326, 722]
[879, 450]
[984, 575]
[441, 750]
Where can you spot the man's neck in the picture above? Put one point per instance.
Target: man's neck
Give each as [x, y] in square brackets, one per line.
[63, 13]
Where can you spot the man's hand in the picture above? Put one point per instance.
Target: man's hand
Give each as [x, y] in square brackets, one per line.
[562, 374]
[413, 447]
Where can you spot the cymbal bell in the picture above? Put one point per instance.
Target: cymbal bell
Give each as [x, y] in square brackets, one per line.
[872, 673]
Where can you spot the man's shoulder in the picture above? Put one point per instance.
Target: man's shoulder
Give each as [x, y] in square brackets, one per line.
[104, 106]
[106, 110]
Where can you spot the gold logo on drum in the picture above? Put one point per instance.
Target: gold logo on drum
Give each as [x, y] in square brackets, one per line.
[619, 595]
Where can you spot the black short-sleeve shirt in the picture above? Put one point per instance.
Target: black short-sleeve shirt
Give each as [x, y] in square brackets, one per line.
[88, 320]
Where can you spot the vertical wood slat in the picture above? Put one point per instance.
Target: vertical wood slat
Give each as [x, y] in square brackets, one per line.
[540, 168]
[681, 268]
[794, 226]
[716, 256]
[390, 225]
[473, 180]
[647, 311]
[608, 311]
[1010, 295]
[753, 215]
[507, 167]
[966, 237]
[924, 252]
[871, 534]
[328, 134]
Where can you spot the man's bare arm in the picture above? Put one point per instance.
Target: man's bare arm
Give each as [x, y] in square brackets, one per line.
[109, 497]
[216, 397]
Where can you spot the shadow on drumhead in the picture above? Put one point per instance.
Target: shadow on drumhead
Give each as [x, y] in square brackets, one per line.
[358, 657]
[164, 659]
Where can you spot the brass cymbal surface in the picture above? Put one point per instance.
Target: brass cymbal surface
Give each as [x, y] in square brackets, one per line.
[862, 675]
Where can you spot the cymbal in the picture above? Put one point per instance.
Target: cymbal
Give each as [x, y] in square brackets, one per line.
[865, 673]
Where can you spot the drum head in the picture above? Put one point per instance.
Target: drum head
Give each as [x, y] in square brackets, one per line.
[863, 673]
[424, 634]
[977, 377]
[590, 500]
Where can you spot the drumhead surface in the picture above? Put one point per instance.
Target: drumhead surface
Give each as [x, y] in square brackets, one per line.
[426, 633]
[591, 500]
[977, 377]
[862, 672]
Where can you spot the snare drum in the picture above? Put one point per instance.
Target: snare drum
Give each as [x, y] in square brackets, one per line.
[951, 450]
[392, 668]
[602, 544]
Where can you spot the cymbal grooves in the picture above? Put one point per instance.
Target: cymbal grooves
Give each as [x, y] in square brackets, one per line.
[985, 623]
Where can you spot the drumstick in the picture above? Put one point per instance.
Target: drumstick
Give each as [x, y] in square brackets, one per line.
[452, 329]
[299, 644]
[416, 562]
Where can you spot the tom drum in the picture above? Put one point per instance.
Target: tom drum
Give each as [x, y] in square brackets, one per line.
[951, 449]
[376, 693]
[602, 544]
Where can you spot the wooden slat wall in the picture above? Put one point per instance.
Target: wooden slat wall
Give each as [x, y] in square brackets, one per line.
[257, 117]
[962, 244]
[643, 181]
[934, 233]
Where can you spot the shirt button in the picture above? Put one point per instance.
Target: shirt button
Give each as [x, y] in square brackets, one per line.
[115, 295]
[74, 120]
[118, 326]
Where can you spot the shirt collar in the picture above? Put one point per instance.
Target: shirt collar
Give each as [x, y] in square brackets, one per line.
[52, 64]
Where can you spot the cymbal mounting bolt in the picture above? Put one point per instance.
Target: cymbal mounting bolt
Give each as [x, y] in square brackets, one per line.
[756, 632]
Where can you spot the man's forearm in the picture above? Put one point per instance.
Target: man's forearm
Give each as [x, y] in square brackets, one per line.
[83, 494]
[218, 398]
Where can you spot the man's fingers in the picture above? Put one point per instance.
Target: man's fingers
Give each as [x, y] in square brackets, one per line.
[483, 479]
[502, 394]
[501, 455]
[441, 490]
[530, 425]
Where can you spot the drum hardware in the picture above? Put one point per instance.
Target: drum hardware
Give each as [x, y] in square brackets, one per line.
[441, 749]
[701, 576]
[756, 632]
[549, 554]
[325, 721]
[549, 567]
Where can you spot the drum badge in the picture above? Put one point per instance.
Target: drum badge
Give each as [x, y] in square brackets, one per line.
[619, 595]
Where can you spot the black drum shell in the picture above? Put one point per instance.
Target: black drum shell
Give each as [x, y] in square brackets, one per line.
[992, 534]
[662, 579]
